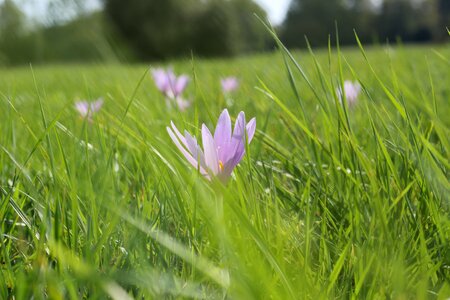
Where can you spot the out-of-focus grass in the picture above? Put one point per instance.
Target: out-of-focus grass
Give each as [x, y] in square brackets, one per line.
[329, 203]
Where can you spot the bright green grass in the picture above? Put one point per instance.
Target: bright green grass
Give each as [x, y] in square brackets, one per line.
[328, 203]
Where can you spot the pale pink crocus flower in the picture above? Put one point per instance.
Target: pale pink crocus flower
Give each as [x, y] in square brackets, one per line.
[88, 109]
[171, 86]
[222, 152]
[352, 91]
[229, 84]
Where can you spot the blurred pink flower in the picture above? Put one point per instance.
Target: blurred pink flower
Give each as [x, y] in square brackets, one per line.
[171, 86]
[352, 91]
[229, 84]
[221, 153]
[88, 109]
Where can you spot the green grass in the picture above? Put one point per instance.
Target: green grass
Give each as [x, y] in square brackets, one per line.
[329, 202]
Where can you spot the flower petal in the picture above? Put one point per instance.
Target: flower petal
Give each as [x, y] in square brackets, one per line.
[171, 82]
[97, 105]
[239, 132]
[186, 154]
[222, 135]
[179, 135]
[211, 160]
[251, 128]
[195, 149]
[180, 85]
[237, 145]
[229, 84]
[352, 90]
[82, 107]
[160, 77]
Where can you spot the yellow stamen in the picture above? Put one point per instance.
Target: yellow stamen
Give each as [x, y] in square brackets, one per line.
[220, 165]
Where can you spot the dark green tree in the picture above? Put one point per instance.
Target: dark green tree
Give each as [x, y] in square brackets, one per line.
[251, 32]
[397, 20]
[443, 10]
[155, 29]
[12, 30]
[230, 27]
[159, 29]
[315, 19]
[215, 30]
[418, 21]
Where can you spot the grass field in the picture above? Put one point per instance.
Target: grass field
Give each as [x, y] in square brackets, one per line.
[329, 201]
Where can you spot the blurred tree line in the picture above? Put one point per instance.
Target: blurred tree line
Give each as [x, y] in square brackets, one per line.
[160, 29]
[374, 21]
[81, 36]
[132, 30]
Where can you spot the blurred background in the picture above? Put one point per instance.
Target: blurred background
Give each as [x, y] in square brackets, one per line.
[53, 31]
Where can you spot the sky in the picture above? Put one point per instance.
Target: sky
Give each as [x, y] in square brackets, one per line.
[276, 9]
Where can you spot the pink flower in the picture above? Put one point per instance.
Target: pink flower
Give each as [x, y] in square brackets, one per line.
[171, 86]
[221, 153]
[229, 84]
[88, 109]
[352, 90]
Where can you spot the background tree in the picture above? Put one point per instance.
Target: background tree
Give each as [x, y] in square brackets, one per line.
[417, 21]
[156, 28]
[159, 29]
[251, 33]
[402, 18]
[12, 30]
[443, 9]
[315, 19]
[215, 30]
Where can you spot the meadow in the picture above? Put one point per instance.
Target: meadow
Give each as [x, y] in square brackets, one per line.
[330, 201]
